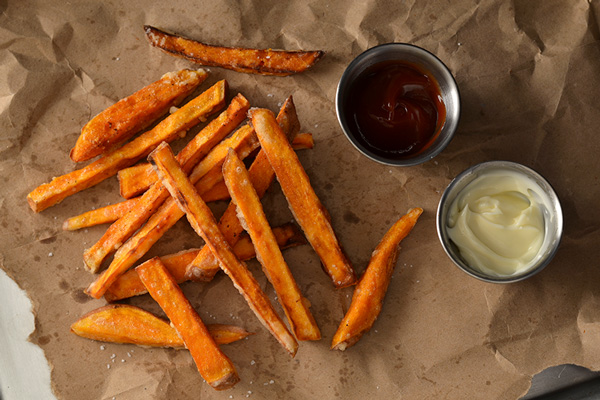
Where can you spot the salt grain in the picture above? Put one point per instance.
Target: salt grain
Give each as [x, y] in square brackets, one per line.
[102, 347]
[271, 381]
[50, 254]
[252, 362]
[107, 366]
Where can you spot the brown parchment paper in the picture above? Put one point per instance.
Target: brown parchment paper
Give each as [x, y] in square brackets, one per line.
[528, 73]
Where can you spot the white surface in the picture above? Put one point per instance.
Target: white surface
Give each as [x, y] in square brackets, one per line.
[24, 371]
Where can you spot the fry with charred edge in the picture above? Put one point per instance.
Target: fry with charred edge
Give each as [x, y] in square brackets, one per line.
[369, 293]
[137, 179]
[203, 222]
[174, 125]
[129, 284]
[102, 215]
[261, 176]
[304, 203]
[253, 61]
[195, 150]
[254, 220]
[130, 115]
[244, 140]
[214, 366]
[120, 323]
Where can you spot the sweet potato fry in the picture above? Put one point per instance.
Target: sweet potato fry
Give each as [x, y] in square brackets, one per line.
[214, 366]
[304, 203]
[129, 284]
[261, 176]
[120, 323]
[173, 126]
[369, 293]
[203, 222]
[250, 211]
[197, 148]
[130, 115]
[303, 141]
[253, 61]
[217, 193]
[243, 140]
[101, 215]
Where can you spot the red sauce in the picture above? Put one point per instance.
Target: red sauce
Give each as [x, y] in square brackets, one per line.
[395, 109]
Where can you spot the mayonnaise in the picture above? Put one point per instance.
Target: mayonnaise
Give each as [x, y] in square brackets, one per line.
[497, 223]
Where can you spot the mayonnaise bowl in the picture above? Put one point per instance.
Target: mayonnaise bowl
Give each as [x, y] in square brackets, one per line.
[500, 221]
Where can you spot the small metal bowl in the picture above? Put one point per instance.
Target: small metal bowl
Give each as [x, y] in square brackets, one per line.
[551, 209]
[426, 62]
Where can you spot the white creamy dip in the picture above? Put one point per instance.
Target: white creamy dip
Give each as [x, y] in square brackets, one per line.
[497, 222]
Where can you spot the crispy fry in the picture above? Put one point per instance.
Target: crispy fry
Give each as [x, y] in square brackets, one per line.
[304, 203]
[217, 193]
[214, 366]
[369, 293]
[203, 222]
[174, 125]
[261, 176]
[130, 115]
[303, 141]
[254, 61]
[101, 215]
[120, 323]
[129, 284]
[250, 212]
[197, 148]
[243, 140]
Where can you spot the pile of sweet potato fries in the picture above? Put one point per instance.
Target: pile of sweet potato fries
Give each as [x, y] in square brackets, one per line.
[209, 168]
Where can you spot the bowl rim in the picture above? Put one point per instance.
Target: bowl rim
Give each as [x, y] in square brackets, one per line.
[473, 171]
[433, 150]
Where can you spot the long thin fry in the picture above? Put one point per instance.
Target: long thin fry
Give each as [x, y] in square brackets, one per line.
[173, 126]
[261, 176]
[203, 222]
[250, 211]
[202, 143]
[304, 203]
[243, 140]
[214, 366]
[129, 284]
[369, 293]
[102, 215]
[255, 61]
[121, 323]
[130, 115]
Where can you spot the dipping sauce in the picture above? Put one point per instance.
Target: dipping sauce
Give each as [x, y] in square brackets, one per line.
[497, 222]
[396, 110]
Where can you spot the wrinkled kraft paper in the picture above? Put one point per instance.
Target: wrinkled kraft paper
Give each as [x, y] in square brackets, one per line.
[528, 73]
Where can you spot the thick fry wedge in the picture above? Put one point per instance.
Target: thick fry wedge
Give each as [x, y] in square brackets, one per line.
[120, 323]
[304, 203]
[174, 125]
[203, 222]
[129, 284]
[253, 61]
[369, 293]
[196, 149]
[243, 140]
[250, 211]
[303, 141]
[214, 366]
[102, 215]
[261, 176]
[130, 115]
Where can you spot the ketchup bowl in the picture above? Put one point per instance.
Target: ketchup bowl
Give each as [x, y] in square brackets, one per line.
[398, 104]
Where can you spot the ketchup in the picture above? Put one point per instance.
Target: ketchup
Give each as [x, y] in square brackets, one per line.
[395, 109]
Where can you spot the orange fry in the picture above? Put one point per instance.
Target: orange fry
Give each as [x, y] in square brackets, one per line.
[295, 305]
[304, 203]
[101, 215]
[369, 293]
[173, 126]
[129, 284]
[203, 222]
[261, 176]
[254, 61]
[214, 366]
[303, 141]
[243, 140]
[217, 193]
[120, 323]
[130, 115]
[197, 148]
